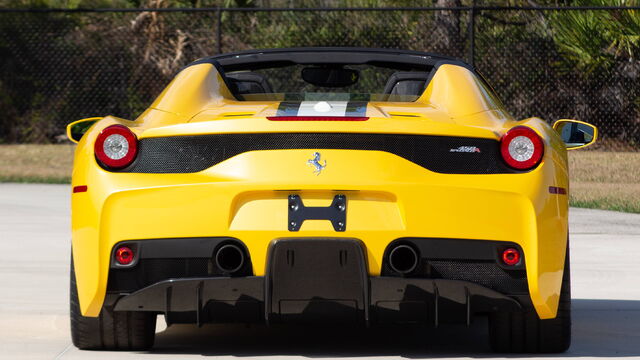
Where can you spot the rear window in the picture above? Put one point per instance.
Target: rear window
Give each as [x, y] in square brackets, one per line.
[322, 82]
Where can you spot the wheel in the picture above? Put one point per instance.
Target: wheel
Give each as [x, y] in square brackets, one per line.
[112, 330]
[525, 332]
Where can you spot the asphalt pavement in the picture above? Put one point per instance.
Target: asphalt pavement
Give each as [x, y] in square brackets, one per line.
[34, 287]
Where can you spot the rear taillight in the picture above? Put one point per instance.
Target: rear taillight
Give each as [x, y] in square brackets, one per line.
[521, 148]
[116, 146]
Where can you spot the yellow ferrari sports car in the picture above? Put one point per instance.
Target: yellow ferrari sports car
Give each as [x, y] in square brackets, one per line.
[342, 186]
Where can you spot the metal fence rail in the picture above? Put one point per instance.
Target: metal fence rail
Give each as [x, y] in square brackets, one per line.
[57, 66]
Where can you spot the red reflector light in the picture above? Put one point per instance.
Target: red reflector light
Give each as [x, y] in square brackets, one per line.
[521, 148]
[317, 118]
[124, 255]
[80, 188]
[511, 256]
[116, 146]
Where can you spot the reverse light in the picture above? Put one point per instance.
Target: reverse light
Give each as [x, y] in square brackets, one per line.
[124, 255]
[116, 146]
[521, 148]
[511, 256]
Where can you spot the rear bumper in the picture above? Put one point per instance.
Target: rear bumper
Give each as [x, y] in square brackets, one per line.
[317, 280]
[388, 198]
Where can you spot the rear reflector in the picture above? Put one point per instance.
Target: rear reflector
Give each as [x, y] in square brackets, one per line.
[317, 118]
[557, 190]
[80, 188]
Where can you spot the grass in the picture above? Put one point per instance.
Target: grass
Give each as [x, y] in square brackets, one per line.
[599, 180]
[605, 180]
[36, 163]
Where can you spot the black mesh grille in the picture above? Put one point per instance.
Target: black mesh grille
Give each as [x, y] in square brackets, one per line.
[188, 154]
[151, 271]
[488, 274]
[155, 270]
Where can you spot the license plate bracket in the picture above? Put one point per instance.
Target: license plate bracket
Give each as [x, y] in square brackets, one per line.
[336, 213]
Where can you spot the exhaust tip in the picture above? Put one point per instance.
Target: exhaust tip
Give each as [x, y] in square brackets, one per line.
[403, 259]
[229, 258]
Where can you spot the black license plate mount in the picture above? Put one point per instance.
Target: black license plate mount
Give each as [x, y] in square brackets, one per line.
[336, 213]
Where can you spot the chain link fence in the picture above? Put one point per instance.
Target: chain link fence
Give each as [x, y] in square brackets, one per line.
[60, 66]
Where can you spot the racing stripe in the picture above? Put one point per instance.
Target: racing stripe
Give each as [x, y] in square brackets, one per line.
[322, 108]
[288, 108]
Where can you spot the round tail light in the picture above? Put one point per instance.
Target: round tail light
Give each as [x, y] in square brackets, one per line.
[116, 146]
[124, 255]
[522, 148]
[511, 256]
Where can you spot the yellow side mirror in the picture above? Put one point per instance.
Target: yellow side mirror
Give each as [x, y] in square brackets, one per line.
[76, 129]
[576, 134]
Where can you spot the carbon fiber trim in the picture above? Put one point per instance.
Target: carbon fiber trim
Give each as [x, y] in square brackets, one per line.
[449, 155]
[151, 271]
[172, 258]
[475, 261]
[483, 273]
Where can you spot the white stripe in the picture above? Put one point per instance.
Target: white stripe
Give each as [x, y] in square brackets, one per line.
[322, 108]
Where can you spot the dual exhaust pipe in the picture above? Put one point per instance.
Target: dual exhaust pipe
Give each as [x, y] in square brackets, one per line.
[403, 259]
[229, 258]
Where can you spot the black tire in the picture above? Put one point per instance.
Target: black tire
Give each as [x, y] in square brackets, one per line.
[112, 330]
[525, 332]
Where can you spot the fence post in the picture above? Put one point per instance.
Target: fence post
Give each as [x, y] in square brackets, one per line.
[472, 33]
[219, 30]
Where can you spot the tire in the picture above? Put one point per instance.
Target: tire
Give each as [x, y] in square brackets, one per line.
[525, 332]
[112, 330]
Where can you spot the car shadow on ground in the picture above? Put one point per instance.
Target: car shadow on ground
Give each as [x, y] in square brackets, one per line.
[601, 328]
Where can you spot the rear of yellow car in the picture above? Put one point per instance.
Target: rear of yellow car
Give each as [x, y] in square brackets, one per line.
[212, 209]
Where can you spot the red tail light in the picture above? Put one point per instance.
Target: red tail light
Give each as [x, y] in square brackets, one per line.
[116, 146]
[511, 256]
[124, 255]
[522, 148]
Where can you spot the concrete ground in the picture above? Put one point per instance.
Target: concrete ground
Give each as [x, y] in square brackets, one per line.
[34, 323]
